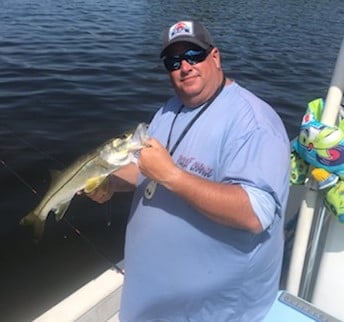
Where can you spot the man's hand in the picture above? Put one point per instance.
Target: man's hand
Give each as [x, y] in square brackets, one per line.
[103, 192]
[155, 162]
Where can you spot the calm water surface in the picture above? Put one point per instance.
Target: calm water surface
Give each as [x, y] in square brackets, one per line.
[75, 73]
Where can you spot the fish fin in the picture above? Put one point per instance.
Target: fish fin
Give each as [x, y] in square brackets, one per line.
[93, 183]
[61, 210]
[31, 219]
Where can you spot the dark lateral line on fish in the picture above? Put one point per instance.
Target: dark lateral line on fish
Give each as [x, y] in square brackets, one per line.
[79, 169]
[69, 179]
[81, 166]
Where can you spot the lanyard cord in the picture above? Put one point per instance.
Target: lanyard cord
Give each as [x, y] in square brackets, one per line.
[188, 127]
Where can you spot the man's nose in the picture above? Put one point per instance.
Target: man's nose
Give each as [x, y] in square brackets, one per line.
[184, 65]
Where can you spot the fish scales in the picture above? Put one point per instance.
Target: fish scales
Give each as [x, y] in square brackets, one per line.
[90, 169]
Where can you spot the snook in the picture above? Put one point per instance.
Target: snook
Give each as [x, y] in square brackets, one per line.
[88, 170]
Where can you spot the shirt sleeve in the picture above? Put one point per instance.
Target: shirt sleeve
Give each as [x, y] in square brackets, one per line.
[263, 204]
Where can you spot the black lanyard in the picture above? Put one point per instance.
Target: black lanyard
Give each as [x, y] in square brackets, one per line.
[188, 127]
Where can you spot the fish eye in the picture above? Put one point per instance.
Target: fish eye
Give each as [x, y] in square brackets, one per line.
[125, 136]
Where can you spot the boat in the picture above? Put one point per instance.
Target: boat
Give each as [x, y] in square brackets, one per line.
[314, 289]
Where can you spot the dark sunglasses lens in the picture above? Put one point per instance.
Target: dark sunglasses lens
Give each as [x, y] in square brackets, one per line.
[193, 57]
[172, 63]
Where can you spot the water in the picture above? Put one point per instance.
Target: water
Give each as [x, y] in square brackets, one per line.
[75, 73]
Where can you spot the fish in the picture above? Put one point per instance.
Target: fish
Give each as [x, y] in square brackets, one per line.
[85, 174]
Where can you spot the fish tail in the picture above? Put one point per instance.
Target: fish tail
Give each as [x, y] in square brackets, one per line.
[31, 219]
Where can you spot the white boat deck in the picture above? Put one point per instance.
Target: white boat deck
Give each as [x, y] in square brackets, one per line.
[98, 300]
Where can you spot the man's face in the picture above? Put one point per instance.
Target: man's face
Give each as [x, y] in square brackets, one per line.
[195, 83]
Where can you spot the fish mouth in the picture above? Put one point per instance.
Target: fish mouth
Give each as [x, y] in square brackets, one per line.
[139, 137]
[119, 157]
[120, 151]
[133, 141]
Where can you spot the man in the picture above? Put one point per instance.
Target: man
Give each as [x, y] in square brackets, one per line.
[204, 239]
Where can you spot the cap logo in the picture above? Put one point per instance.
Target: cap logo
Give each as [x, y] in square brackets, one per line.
[181, 28]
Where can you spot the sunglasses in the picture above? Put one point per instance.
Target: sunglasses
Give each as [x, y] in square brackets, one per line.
[192, 57]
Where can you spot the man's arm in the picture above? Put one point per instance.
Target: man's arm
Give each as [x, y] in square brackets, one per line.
[227, 204]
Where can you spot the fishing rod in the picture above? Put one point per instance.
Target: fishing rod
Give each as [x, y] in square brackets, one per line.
[77, 231]
[31, 146]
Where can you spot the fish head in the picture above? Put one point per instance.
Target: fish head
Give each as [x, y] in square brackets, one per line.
[139, 137]
[120, 151]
